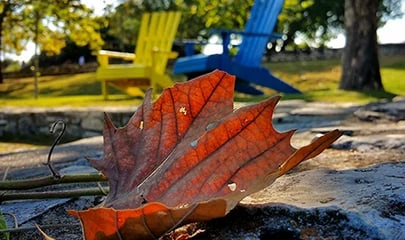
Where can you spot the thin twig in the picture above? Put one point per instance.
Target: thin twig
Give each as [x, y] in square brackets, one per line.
[3, 179]
[14, 218]
[50, 180]
[53, 194]
[102, 189]
[46, 237]
[54, 172]
[5, 173]
[24, 229]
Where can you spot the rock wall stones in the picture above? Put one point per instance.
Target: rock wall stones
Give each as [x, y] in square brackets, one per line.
[36, 123]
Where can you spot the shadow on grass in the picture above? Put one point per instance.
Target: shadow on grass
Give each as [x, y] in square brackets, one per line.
[92, 88]
[381, 94]
[12, 88]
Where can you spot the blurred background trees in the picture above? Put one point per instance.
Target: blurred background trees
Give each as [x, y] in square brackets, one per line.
[67, 25]
[49, 24]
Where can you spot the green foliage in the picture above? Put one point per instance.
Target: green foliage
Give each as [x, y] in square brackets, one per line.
[222, 14]
[10, 65]
[197, 15]
[69, 54]
[388, 9]
[317, 21]
[3, 225]
[62, 90]
[310, 19]
[123, 26]
[318, 80]
[53, 20]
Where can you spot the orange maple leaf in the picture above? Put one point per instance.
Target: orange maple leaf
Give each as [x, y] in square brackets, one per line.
[189, 157]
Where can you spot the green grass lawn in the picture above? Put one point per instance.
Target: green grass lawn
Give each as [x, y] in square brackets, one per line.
[318, 80]
[65, 90]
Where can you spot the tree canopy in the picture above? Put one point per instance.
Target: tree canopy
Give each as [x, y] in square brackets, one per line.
[49, 23]
[197, 15]
[314, 21]
[318, 21]
[57, 20]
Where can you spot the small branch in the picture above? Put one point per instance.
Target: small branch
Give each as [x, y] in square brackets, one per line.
[24, 229]
[101, 189]
[5, 173]
[53, 194]
[14, 218]
[50, 180]
[54, 172]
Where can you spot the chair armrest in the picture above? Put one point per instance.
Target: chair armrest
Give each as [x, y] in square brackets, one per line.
[103, 56]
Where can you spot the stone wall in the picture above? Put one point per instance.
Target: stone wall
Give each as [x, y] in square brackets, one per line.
[319, 54]
[34, 124]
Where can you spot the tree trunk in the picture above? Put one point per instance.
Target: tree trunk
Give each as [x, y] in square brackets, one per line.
[361, 68]
[2, 16]
[1, 69]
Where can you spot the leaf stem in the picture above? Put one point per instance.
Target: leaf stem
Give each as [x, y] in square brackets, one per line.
[54, 172]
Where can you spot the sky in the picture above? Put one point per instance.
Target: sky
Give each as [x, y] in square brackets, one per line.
[392, 32]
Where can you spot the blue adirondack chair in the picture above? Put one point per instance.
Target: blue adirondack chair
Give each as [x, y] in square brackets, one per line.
[246, 64]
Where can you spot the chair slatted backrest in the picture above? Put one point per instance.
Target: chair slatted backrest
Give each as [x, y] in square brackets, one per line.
[258, 29]
[157, 32]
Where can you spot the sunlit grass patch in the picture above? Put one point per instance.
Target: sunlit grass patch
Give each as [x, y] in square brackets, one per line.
[61, 85]
[318, 80]
[63, 90]
[394, 80]
[72, 101]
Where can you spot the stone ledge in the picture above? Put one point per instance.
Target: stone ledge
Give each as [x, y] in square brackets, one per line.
[80, 123]
[364, 203]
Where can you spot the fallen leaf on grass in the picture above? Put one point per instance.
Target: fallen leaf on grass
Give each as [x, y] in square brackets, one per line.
[189, 157]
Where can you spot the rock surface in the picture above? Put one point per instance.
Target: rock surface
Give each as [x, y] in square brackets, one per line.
[354, 190]
[32, 160]
[369, 200]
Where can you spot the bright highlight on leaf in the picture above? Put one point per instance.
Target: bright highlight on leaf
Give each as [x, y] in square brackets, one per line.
[189, 157]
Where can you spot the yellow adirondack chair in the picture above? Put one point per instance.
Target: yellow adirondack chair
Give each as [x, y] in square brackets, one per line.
[153, 49]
